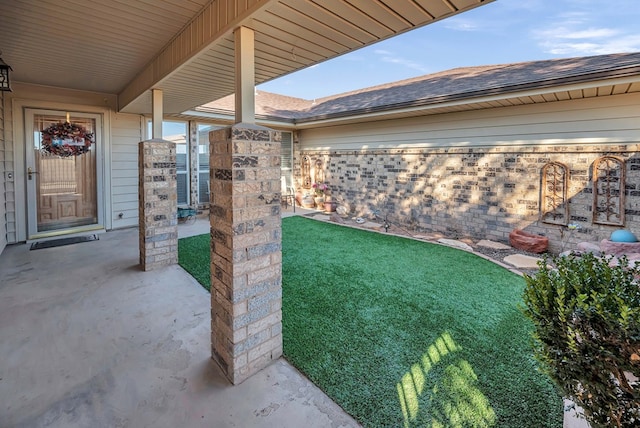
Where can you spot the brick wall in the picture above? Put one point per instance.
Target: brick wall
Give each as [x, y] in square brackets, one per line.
[477, 192]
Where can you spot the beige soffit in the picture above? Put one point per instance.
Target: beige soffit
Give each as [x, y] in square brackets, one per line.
[185, 47]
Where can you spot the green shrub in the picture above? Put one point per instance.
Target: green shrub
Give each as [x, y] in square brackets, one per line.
[587, 334]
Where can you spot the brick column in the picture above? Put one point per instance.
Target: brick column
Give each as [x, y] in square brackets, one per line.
[192, 144]
[157, 204]
[246, 256]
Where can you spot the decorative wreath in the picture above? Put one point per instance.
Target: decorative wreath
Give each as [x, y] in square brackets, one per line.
[66, 139]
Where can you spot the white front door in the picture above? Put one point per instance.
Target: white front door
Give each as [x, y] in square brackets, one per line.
[64, 193]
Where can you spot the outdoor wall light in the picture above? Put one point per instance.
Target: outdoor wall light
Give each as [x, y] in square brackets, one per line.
[5, 83]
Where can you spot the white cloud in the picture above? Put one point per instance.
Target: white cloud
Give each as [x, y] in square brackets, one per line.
[574, 34]
[391, 58]
[572, 48]
[460, 24]
[624, 44]
[573, 18]
[589, 27]
[567, 33]
[405, 63]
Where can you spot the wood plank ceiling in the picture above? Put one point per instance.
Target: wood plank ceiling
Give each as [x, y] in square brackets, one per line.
[94, 46]
[185, 47]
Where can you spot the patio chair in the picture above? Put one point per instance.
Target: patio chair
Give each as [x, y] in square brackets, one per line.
[187, 215]
[287, 194]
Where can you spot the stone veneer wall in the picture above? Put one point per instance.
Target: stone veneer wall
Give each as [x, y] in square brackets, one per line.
[157, 204]
[246, 255]
[481, 193]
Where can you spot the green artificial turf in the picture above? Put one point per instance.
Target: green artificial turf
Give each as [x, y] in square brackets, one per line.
[406, 333]
[194, 256]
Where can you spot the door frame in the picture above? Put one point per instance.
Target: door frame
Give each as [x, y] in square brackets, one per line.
[18, 108]
[32, 202]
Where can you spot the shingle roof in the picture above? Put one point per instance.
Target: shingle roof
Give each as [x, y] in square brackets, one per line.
[455, 84]
[267, 105]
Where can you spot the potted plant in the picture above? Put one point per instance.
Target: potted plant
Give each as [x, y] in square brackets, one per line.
[330, 204]
[319, 189]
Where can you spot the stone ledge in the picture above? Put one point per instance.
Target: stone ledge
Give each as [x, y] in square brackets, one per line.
[523, 262]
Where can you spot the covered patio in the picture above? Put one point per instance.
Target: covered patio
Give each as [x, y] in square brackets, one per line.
[90, 340]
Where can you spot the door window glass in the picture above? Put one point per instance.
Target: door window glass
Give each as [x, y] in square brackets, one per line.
[65, 187]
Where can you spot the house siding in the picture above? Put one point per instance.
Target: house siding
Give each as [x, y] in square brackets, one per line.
[120, 136]
[3, 180]
[603, 120]
[9, 191]
[126, 133]
[478, 174]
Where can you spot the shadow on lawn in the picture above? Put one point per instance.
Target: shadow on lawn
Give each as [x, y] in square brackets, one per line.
[460, 402]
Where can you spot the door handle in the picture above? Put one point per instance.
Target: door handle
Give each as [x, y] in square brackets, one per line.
[30, 173]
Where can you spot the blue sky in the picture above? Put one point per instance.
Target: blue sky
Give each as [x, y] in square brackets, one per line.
[500, 32]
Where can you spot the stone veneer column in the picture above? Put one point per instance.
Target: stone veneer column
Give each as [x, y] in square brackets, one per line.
[157, 204]
[246, 256]
[192, 144]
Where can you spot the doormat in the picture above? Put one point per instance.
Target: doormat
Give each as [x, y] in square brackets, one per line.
[63, 241]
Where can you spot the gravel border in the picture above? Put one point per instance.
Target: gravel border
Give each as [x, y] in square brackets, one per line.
[494, 255]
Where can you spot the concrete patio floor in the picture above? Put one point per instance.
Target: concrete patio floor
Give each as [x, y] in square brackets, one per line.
[89, 340]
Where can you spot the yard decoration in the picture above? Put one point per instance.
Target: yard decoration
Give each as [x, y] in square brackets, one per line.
[319, 199]
[308, 201]
[586, 315]
[528, 241]
[66, 139]
[622, 235]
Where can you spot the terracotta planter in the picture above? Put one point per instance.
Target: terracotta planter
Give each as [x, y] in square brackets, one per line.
[330, 206]
[528, 241]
